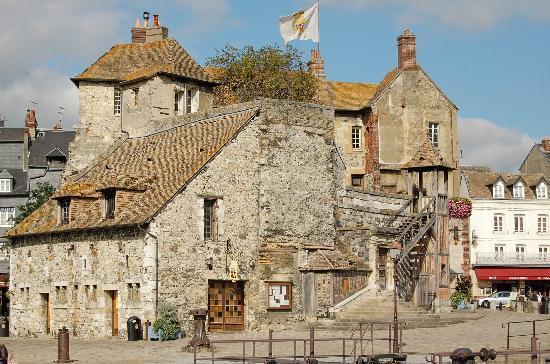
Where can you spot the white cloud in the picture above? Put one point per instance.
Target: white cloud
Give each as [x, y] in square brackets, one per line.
[471, 15]
[485, 143]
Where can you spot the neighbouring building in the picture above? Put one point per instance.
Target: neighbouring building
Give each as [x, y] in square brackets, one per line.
[538, 159]
[266, 213]
[510, 232]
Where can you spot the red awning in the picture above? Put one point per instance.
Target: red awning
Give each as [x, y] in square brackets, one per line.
[512, 274]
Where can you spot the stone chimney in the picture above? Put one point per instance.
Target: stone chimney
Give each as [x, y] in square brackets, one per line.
[546, 144]
[157, 32]
[316, 64]
[31, 124]
[406, 50]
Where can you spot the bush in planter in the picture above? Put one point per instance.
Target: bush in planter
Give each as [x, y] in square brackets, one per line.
[167, 321]
[463, 291]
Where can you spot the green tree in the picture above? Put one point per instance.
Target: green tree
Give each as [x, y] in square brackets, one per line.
[37, 198]
[270, 71]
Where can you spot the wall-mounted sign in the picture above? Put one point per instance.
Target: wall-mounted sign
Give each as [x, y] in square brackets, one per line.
[279, 295]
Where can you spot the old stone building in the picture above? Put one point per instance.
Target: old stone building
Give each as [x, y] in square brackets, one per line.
[268, 212]
[538, 159]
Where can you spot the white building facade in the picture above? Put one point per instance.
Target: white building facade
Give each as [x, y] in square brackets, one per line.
[510, 232]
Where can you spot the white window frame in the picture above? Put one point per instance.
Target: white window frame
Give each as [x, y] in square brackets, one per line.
[499, 251]
[117, 102]
[5, 185]
[186, 100]
[356, 141]
[519, 223]
[498, 190]
[520, 251]
[542, 191]
[519, 190]
[544, 250]
[433, 133]
[179, 102]
[542, 223]
[7, 214]
[498, 222]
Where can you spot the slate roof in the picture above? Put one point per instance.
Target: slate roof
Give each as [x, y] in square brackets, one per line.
[20, 181]
[333, 260]
[155, 167]
[12, 134]
[480, 183]
[136, 61]
[427, 156]
[52, 143]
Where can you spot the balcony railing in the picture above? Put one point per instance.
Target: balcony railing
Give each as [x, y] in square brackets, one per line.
[511, 258]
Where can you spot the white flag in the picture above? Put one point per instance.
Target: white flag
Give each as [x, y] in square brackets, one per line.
[303, 24]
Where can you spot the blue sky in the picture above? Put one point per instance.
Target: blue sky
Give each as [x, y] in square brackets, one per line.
[491, 57]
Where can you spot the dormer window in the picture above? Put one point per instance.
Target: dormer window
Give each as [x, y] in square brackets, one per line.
[542, 191]
[109, 198]
[5, 185]
[186, 101]
[519, 190]
[498, 190]
[64, 211]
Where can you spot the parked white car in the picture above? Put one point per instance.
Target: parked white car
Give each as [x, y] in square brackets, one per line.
[495, 299]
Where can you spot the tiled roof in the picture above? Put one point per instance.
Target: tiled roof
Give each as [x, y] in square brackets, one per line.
[49, 143]
[135, 61]
[333, 260]
[12, 134]
[480, 184]
[427, 156]
[154, 167]
[345, 95]
[19, 181]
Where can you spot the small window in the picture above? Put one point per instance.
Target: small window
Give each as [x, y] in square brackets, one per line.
[498, 222]
[542, 223]
[135, 92]
[356, 137]
[499, 251]
[109, 197]
[357, 180]
[519, 223]
[498, 190]
[542, 191]
[65, 208]
[117, 101]
[192, 100]
[7, 214]
[5, 185]
[210, 219]
[543, 251]
[179, 101]
[519, 190]
[520, 251]
[433, 133]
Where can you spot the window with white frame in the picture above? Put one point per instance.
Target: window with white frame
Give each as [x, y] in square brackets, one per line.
[7, 214]
[498, 190]
[433, 133]
[117, 101]
[498, 222]
[542, 223]
[520, 251]
[542, 191]
[499, 251]
[192, 100]
[356, 137]
[179, 102]
[519, 190]
[543, 251]
[519, 225]
[64, 211]
[5, 184]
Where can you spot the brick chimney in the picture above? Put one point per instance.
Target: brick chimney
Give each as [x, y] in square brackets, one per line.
[316, 64]
[138, 33]
[157, 32]
[31, 124]
[546, 143]
[406, 50]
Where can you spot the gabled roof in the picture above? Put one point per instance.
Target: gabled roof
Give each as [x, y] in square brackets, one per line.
[427, 156]
[49, 143]
[512, 182]
[19, 177]
[136, 61]
[155, 167]
[345, 95]
[480, 184]
[5, 174]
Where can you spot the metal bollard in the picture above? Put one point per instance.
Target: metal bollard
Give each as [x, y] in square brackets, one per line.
[3, 354]
[63, 346]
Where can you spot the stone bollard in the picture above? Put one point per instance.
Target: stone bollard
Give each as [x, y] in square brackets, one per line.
[200, 338]
[63, 346]
[3, 354]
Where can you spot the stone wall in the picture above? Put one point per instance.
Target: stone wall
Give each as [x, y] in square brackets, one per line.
[354, 159]
[75, 271]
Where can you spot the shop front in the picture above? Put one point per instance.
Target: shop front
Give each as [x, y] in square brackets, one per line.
[514, 279]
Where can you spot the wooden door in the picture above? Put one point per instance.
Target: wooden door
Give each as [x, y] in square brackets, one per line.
[225, 306]
[47, 310]
[114, 312]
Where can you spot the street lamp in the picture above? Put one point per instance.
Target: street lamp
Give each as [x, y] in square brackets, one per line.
[395, 250]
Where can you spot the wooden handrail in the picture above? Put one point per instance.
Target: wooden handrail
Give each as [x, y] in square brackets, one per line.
[393, 217]
[418, 216]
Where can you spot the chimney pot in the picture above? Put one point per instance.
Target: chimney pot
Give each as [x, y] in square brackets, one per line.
[137, 24]
[145, 19]
[546, 143]
[406, 50]
[156, 20]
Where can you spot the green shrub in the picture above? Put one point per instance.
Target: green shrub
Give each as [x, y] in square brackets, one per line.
[167, 321]
[463, 291]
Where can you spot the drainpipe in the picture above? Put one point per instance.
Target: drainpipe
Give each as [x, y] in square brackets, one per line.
[156, 266]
